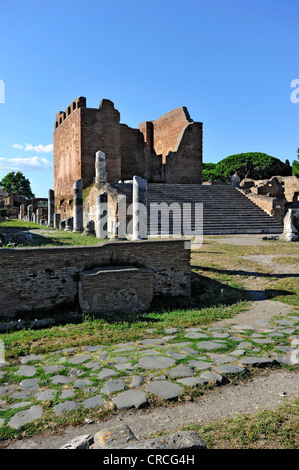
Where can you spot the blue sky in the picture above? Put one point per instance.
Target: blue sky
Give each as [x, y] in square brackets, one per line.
[231, 62]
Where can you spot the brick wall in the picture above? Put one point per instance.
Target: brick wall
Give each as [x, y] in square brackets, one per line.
[36, 280]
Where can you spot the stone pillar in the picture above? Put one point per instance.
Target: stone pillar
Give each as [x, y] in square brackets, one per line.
[51, 207]
[22, 211]
[101, 226]
[139, 208]
[62, 224]
[33, 217]
[78, 206]
[29, 212]
[291, 225]
[39, 216]
[235, 180]
[100, 167]
[57, 218]
[89, 229]
[69, 224]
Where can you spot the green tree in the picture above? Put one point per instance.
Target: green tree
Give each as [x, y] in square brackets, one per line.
[17, 183]
[254, 165]
[295, 166]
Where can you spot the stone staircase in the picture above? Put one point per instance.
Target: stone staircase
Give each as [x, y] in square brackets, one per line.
[225, 209]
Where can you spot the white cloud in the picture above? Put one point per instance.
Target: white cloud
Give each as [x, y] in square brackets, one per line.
[18, 146]
[39, 148]
[25, 164]
[35, 148]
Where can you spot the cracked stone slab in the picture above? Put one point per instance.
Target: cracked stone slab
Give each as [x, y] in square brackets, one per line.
[195, 335]
[3, 390]
[137, 380]
[107, 373]
[21, 404]
[130, 399]
[60, 379]
[45, 395]
[52, 369]
[230, 369]
[212, 377]
[62, 408]
[115, 436]
[156, 362]
[80, 359]
[25, 416]
[180, 371]
[93, 402]
[29, 358]
[210, 345]
[200, 365]
[164, 389]
[113, 385]
[192, 381]
[257, 361]
[29, 384]
[27, 371]
[67, 394]
[80, 383]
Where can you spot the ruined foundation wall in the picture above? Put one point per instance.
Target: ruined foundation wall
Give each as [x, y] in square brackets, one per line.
[41, 279]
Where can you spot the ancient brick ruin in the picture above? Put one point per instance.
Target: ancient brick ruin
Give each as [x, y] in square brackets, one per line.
[166, 150]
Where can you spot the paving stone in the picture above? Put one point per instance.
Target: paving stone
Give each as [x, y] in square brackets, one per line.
[243, 326]
[93, 402]
[1, 421]
[114, 436]
[66, 394]
[20, 395]
[60, 379]
[156, 342]
[212, 377]
[80, 383]
[190, 351]
[25, 416]
[3, 390]
[168, 338]
[137, 380]
[93, 365]
[46, 395]
[21, 404]
[27, 371]
[195, 335]
[121, 359]
[30, 357]
[284, 348]
[52, 369]
[257, 361]
[176, 356]
[221, 335]
[164, 389]
[193, 381]
[157, 362]
[103, 357]
[29, 384]
[152, 352]
[180, 371]
[200, 365]
[263, 341]
[230, 369]
[130, 399]
[114, 385]
[80, 359]
[284, 322]
[74, 372]
[238, 352]
[279, 335]
[223, 359]
[62, 408]
[235, 338]
[106, 373]
[150, 330]
[209, 345]
[245, 344]
[284, 360]
[159, 377]
[170, 331]
[127, 366]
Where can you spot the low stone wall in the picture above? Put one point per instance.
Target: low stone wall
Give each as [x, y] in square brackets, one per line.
[271, 205]
[38, 281]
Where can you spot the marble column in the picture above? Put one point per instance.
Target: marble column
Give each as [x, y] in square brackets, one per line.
[51, 207]
[39, 216]
[78, 206]
[100, 167]
[101, 226]
[139, 208]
